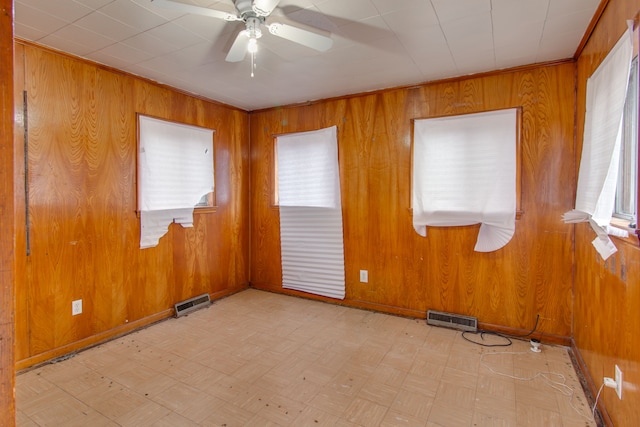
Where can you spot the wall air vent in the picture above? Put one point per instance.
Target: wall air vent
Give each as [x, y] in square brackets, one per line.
[454, 321]
[185, 307]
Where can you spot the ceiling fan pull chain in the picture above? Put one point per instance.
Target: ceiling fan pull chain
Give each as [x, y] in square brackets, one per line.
[253, 64]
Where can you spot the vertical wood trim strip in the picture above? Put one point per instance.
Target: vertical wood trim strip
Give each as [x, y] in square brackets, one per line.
[25, 115]
[7, 215]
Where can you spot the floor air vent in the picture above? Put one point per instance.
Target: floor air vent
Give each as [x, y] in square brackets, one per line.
[192, 304]
[449, 320]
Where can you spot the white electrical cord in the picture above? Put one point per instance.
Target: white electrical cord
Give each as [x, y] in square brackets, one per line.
[595, 404]
[562, 387]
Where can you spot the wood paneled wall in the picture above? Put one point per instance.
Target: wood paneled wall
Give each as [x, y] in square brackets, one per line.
[7, 266]
[82, 232]
[607, 294]
[409, 274]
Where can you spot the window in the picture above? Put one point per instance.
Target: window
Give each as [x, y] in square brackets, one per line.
[465, 172]
[627, 188]
[607, 89]
[175, 175]
[308, 194]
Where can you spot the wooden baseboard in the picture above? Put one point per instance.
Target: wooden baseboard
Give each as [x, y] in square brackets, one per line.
[591, 389]
[516, 332]
[345, 302]
[92, 341]
[545, 338]
[40, 359]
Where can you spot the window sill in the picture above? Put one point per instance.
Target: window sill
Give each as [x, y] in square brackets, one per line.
[519, 213]
[622, 224]
[196, 210]
[207, 210]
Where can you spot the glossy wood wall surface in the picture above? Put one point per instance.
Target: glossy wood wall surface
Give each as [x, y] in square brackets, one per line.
[7, 225]
[409, 274]
[83, 232]
[607, 294]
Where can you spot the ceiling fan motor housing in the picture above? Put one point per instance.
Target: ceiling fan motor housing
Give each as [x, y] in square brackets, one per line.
[245, 8]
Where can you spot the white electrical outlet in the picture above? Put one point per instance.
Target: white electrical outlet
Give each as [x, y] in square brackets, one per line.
[618, 382]
[364, 276]
[76, 307]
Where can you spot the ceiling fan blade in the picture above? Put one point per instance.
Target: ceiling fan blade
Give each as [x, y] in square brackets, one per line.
[313, 39]
[264, 7]
[239, 47]
[197, 10]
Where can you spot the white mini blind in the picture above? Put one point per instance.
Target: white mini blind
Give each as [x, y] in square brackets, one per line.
[464, 173]
[311, 213]
[599, 162]
[175, 164]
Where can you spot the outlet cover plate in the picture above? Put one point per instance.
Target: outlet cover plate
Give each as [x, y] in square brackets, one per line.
[76, 307]
[618, 382]
[364, 276]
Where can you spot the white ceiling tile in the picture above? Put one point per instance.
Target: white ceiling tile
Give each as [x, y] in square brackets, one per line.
[466, 60]
[312, 17]
[206, 27]
[354, 10]
[148, 43]
[37, 19]
[124, 53]
[553, 46]
[170, 13]
[155, 74]
[515, 61]
[517, 49]
[94, 4]
[291, 5]
[413, 18]
[366, 30]
[106, 26]
[28, 33]
[451, 10]
[435, 67]
[65, 10]
[178, 61]
[520, 10]
[160, 65]
[175, 35]
[167, 13]
[573, 22]
[551, 51]
[387, 6]
[564, 7]
[513, 33]
[132, 14]
[74, 35]
[109, 60]
[426, 41]
[285, 49]
[71, 45]
[478, 28]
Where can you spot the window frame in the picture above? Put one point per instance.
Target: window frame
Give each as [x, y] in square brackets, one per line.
[625, 218]
[625, 222]
[211, 205]
[519, 209]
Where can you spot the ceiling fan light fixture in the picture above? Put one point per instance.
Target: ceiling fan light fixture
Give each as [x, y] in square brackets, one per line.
[252, 47]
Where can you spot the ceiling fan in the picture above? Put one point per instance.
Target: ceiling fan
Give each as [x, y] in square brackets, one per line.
[255, 14]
